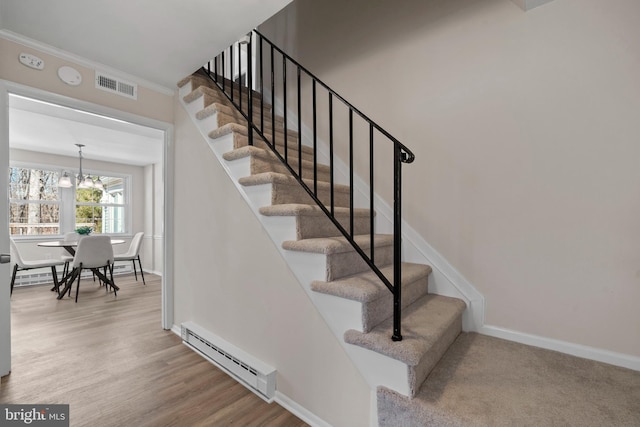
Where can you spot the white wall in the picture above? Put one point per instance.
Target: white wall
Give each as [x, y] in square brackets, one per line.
[525, 129]
[230, 279]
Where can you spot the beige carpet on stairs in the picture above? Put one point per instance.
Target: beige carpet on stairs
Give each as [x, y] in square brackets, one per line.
[486, 381]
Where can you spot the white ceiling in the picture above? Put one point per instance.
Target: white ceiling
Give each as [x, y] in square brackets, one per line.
[161, 41]
[154, 41]
[49, 128]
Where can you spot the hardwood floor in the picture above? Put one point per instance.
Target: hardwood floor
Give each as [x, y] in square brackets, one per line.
[109, 359]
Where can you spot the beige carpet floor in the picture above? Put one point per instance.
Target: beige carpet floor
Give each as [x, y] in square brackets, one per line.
[486, 381]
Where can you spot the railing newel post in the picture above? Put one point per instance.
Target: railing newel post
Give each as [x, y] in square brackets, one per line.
[397, 243]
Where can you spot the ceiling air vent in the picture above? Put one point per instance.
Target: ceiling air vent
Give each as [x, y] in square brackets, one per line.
[116, 85]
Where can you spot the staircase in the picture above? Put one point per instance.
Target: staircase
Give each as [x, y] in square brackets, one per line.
[352, 299]
[437, 374]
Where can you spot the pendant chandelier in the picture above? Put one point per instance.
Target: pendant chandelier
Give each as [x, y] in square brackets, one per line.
[82, 180]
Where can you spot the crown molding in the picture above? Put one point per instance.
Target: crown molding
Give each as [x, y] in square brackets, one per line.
[79, 60]
[530, 4]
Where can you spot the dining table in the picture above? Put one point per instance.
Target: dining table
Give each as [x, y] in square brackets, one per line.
[70, 246]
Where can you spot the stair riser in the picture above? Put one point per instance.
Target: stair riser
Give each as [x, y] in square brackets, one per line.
[309, 227]
[259, 164]
[292, 136]
[292, 152]
[420, 372]
[223, 119]
[378, 310]
[220, 97]
[283, 193]
[347, 263]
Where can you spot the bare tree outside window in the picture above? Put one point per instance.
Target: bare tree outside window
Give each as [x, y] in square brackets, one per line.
[34, 205]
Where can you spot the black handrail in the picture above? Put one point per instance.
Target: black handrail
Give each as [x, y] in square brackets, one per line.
[229, 77]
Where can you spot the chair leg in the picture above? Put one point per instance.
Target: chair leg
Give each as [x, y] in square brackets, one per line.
[65, 270]
[115, 293]
[134, 269]
[56, 284]
[13, 277]
[141, 272]
[78, 285]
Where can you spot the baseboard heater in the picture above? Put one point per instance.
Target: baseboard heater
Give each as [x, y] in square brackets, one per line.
[253, 373]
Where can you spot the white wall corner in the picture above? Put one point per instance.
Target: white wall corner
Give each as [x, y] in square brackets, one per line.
[530, 4]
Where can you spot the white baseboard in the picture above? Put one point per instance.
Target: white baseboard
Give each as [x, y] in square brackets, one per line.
[578, 350]
[176, 330]
[299, 411]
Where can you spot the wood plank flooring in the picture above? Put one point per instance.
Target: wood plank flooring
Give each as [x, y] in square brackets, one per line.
[110, 360]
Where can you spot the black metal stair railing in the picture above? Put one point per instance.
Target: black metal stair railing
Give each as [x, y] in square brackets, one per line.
[250, 68]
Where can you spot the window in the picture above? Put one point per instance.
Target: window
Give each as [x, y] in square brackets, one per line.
[38, 207]
[102, 210]
[34, 204]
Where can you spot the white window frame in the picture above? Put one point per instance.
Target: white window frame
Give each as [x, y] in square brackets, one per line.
[59, 202]
[67, 200]
[127, 200]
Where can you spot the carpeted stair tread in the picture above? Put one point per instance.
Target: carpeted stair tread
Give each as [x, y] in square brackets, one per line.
[311, 222]
[247, 151]
[292, 144]
[252, 150]
[367, 287]
[227, 129]
[336, 245]
[422, 326]
[212, 109]
[196, 80]
[300, 209]
[275, 177]
[487, 381]
[200, 91]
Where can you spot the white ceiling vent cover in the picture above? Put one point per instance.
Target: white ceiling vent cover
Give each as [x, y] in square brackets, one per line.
[253, 373]
[116, 85]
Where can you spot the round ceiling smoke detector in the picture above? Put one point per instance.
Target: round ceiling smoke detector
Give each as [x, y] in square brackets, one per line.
[69, 75]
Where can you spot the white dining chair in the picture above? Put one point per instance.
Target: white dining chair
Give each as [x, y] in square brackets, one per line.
[133, 254]
[66, 257]
[94, 253]
[22, 264]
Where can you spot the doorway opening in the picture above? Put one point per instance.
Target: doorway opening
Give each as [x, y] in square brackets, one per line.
[42, 132]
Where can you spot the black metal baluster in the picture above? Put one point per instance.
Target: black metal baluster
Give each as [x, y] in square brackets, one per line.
[215, 68]
[231, 64]
[250, 88]
[284, 101]
[223, 69]
[273, 102]
[299, 127]
[371, 195]
[351, 172]
[240, 76]
[315, 141]
[331, 153]
[261, 87]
